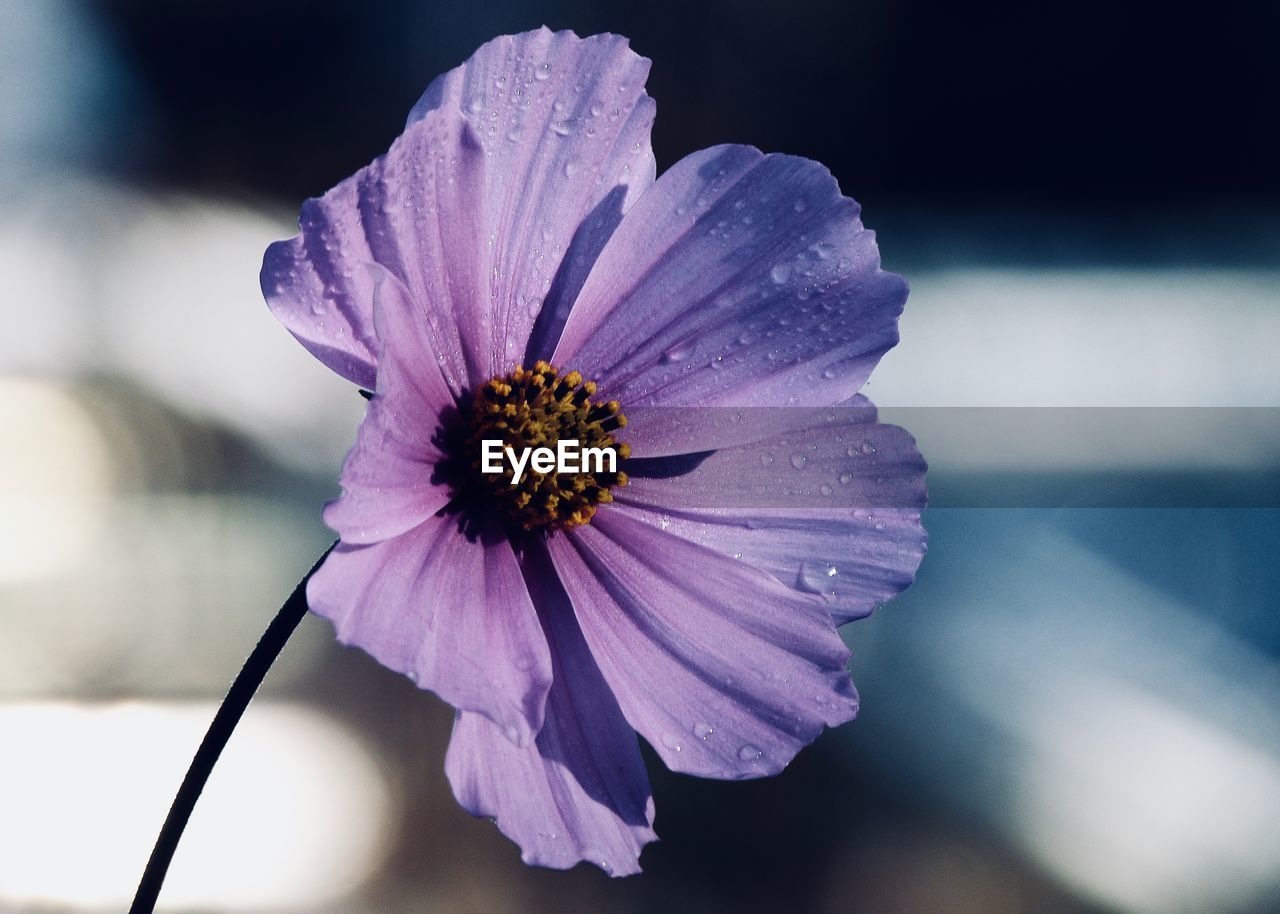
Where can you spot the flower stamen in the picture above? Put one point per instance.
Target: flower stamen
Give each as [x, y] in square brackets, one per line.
[538, 407]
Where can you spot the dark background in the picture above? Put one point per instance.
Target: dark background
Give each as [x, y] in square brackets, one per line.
[1104, 104]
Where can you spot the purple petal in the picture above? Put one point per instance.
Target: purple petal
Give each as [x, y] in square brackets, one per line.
[726, 672]
[580, 792]
[387, 485]
[738, 279]
[450, 612]
[832, 509]
[512, 172]
[665, 431]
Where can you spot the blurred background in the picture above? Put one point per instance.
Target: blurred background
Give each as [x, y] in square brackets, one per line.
[1074, 708]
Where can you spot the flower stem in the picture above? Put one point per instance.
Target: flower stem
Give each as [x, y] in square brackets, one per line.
[224, 723]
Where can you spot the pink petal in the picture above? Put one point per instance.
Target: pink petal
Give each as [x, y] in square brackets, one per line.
[388, 483]
[831, 508]
[512, 172]
[580, 791]
[449, 611]
[726, 672]
[738, 279]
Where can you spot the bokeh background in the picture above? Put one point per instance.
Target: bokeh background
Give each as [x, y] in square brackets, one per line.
[1074, 708]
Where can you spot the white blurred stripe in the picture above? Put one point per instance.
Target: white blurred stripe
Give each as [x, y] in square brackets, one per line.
[295, 815]
[1026, 438]
[94, 278]
[1086, 337]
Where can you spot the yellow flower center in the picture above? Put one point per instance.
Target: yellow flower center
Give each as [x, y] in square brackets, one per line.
[533, 408]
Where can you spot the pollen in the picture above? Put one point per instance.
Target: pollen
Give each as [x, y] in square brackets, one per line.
[538, 407]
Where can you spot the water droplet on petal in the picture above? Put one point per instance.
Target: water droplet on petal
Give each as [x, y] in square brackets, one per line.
[749, 753]
[780, 273]
[664, 522]
[702, 731]
[542, 71]
[672, 742]
[598, 857]
[825, 489]
[815, 577]
[798, 461]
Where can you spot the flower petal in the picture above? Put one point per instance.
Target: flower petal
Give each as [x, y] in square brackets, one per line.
[512, 172]
[830, 509]
[387, 478]
[738, 279]
[580, 792]
[669, 431]
[449, 611]
[726, 672]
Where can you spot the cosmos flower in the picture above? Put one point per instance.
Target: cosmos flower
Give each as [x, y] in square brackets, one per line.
[511, 270]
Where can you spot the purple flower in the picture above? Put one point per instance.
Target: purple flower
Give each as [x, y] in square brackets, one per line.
[517, 225]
